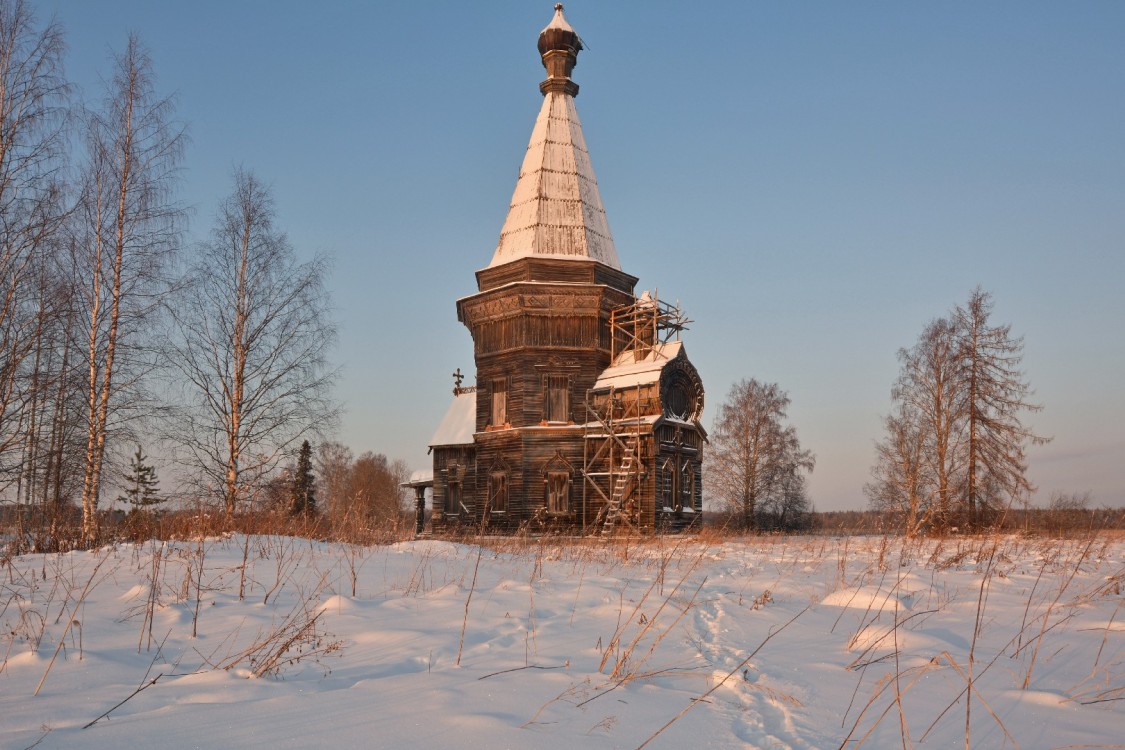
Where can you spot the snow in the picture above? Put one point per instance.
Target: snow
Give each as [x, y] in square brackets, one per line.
[625, 371]
[459, 423]
[556, 209]
[771, 642]
[421, 476]
[558, 22]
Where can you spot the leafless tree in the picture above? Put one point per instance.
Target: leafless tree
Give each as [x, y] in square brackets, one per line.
[788, 509]
[34, 108]
[1069, 511]
[49, 444]
[333, 469]
[127, 233]
[995, 394]
[929, 392]
[754, 455]
[954, 448]
[253, 339]
[360, 494]
[375, 489]
[901, 485]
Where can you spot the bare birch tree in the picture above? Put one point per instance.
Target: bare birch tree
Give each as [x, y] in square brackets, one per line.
[929, 390]
[901, 485]
[789, 509]
[34, 107]
[254, 335]
[754, 454]
[955, 446]
[48, 449]
[128, 232]
[375, 490]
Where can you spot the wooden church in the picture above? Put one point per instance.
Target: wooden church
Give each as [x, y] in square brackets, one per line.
[585, 413]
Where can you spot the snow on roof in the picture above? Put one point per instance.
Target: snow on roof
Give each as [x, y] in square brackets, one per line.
[420, 478]
[596, 429]
[459, 423]
[556, 208]
[627, 371]
[559, 20]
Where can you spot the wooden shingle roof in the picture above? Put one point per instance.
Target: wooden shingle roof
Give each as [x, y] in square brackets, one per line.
[556, 209]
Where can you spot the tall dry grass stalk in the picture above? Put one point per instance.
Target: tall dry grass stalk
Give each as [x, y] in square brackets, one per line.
[72, 621]
[468, 601]
[1050, 609]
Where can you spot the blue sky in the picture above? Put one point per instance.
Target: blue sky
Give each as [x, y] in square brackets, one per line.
[814, 181]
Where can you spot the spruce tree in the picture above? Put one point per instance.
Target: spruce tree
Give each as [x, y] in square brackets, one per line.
[303, 500]
[141, 484]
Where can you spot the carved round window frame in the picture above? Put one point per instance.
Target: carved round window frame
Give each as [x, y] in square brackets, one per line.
[681, 376]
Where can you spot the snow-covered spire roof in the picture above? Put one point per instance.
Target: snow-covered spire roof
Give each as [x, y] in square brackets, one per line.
[556, 208]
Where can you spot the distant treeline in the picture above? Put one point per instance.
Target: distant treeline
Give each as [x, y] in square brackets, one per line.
[1032, 520]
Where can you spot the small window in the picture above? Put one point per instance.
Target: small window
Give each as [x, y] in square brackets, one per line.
[679, 399]
[558, 398]
[687, 488]
[499, 402]
[558, 492]
[498, 491]
[669, 490]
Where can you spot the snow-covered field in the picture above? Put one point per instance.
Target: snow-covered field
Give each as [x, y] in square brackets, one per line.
[795, 642]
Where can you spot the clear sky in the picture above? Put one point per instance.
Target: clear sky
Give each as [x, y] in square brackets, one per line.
[813, 181]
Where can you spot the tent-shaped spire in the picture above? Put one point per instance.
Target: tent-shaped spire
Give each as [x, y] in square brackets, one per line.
[556, 209]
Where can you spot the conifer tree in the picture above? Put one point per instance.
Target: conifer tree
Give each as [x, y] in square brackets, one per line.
[995, 393]
[303, 501]
[141, 484]
[955, 449]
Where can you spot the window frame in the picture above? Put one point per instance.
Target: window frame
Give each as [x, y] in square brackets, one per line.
[670, 488]
[498, 416]
[498, 491]
[556, 399]
[686, 496]
[557, 485]
[454, 496]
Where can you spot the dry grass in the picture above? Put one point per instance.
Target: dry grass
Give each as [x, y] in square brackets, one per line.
[42, 607]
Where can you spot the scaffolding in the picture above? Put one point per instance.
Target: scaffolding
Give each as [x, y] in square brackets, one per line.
[642, 325]
[615, 464]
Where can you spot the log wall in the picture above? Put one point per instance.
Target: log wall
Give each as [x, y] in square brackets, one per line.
[534, 320]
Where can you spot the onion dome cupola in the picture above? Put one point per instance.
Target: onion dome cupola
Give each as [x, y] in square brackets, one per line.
[559, 45]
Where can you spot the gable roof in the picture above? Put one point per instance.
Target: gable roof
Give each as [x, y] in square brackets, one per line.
[459, 423]
[627, 371]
